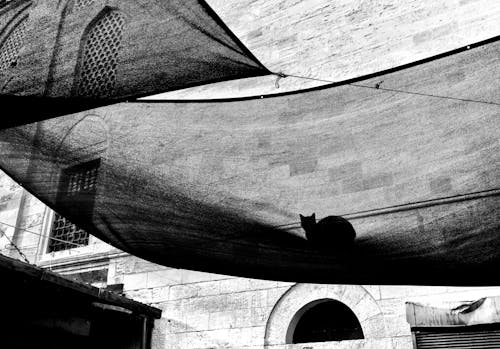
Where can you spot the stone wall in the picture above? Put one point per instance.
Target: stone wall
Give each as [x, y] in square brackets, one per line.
[21, 217]
[335, 41]
[10, 197]
[203, 311]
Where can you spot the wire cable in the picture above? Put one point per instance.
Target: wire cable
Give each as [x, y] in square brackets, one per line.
[15, 246]
[42, 235]
[378, 87]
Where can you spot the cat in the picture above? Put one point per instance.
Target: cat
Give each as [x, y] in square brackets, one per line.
[330, 232]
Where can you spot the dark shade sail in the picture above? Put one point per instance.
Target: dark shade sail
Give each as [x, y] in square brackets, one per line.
[410, 157]
[62, 57]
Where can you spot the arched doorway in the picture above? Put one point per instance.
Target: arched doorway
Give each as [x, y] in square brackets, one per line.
[313, 307]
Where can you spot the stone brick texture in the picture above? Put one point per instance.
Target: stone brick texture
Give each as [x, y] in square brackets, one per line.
[29, 222]
[204, 311]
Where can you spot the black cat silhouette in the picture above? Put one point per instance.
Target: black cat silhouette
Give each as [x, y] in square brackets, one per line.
[330, 232]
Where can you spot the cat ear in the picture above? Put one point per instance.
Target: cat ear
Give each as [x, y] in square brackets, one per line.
[313, 215]
[301, 216]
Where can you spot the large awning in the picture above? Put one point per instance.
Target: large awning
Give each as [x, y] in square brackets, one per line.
[410, 157]
[57, 58]
[458, 314]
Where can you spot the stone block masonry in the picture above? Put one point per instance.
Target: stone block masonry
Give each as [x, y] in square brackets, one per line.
[202, 310]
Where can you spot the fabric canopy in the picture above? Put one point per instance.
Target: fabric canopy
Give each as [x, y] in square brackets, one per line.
[410, 157]
[479, 312]
[67, 57]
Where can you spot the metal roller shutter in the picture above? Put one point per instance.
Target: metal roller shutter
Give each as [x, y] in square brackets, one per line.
[483, 339]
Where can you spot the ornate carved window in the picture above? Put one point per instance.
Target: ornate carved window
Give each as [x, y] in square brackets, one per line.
[99, 56]
[10, 47]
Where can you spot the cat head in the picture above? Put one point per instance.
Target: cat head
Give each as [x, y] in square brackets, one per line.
[308, 221]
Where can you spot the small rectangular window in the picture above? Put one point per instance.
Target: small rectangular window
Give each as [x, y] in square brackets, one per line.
[77, 189]
[76, 195]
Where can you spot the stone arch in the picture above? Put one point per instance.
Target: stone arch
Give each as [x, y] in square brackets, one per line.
[299, 296]
[324, 320]
[83, 138]
[86, 138]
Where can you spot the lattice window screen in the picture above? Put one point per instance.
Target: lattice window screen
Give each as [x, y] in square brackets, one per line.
[99, 58]
[82, 181]
[9, 50]
[66, 235]
[78, 180]
[79, 4]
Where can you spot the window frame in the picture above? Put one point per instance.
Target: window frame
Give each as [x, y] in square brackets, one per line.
[51, 235]
[93, 246]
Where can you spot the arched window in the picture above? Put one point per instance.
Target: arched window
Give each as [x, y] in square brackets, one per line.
[325, 321]
[10, 47]
[99, 56]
